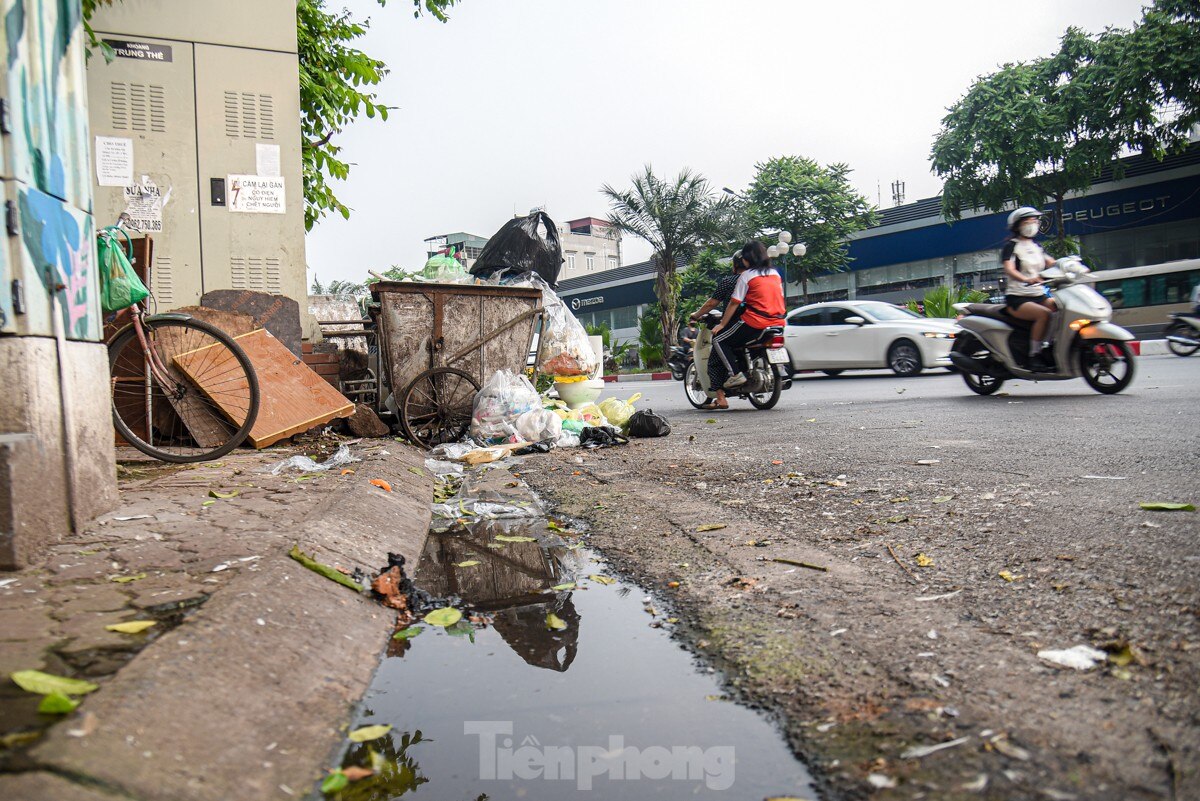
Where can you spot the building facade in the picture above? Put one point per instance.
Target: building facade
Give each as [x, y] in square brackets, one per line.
[1149, 216]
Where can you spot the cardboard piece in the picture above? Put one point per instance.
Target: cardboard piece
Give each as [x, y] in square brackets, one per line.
[292, 398]
[278, 314]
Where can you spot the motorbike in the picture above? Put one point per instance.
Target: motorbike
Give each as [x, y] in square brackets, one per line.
[766, 360]
[994, 345]
[681, 357]
[1183, 334]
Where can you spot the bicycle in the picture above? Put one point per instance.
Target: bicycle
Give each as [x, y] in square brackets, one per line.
[183, 390]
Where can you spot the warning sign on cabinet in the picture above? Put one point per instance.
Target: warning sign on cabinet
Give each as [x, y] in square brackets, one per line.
[255, 194]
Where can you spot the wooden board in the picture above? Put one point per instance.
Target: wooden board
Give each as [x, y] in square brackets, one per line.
[292, 398]
[278, 314]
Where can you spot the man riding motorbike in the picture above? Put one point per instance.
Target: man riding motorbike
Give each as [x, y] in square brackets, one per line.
[716, 371]
[1023, 261]
[759, 296]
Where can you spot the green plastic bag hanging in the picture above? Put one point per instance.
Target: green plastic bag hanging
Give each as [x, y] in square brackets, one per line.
[120, 286]
[444, 268]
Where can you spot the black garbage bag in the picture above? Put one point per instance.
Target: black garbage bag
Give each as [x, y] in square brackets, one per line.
[523, 245]
[646, 423]
[601, 437]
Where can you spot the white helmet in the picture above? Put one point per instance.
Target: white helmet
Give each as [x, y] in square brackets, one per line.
[1023, 213]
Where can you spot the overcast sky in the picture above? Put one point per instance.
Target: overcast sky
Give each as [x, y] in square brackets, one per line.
[525, 103]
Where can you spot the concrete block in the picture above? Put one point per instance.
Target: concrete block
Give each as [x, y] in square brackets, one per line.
[33, 507]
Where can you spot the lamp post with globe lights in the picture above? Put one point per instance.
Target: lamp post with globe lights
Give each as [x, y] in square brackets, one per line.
[781, 251]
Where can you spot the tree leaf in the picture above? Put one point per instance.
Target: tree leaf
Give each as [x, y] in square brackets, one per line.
[710, 527]
[218, 494]
[131, 627]
[57, 704]
[334, 781]
[924, 561]
[513, 538]
[468, 563]
[570, 585]
[555, 622]
[368, 733]
[127, 579]
[602, 579]
[35, 681]
[1159, 506]
[943, 498]
[383, 485]
[446, 616]
[355, 773]
[408, 633]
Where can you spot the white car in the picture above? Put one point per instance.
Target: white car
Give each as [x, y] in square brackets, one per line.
[866, 334]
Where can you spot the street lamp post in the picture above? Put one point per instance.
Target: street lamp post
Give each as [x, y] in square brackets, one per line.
[781, 251]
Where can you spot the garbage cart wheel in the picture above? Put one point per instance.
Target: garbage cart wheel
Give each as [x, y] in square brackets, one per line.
[436, 407]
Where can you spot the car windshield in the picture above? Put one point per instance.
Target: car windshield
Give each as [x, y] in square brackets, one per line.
[887, 312]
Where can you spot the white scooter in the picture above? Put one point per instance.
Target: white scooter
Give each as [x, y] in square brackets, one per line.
[994, 345]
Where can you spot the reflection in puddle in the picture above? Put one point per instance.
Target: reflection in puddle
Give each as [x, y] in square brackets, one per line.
[561, 693]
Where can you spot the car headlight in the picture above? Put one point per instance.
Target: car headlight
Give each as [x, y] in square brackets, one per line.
[937, 335]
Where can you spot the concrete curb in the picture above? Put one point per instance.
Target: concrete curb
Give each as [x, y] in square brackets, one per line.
[247, 698]
[1150, 347]
[634, 377]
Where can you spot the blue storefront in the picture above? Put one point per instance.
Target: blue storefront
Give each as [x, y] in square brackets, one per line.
[1151, 215]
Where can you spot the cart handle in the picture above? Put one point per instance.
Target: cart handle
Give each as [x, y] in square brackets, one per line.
[491, 334]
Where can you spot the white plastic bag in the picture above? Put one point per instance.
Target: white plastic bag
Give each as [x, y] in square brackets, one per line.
[538, 425]
[341, 456]
[504, 397]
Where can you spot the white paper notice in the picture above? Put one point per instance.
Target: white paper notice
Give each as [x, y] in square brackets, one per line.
[114, 161]
[144, 205]
[255, 194]
[266, 160]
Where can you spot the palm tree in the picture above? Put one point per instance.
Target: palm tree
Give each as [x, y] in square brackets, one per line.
[676, 218]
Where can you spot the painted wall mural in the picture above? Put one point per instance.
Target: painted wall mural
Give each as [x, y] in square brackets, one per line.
[46, 165]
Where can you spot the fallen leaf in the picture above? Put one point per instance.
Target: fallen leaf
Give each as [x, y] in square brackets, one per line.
[555, 622]
[468, 563]
[354, 773]
[35, 681]
[408, 633]
[929, 461]
[347, 472]
[1007, 575]
[334, 782]
[943, 498]
[570, 585]
[710, 420]
[131, 627]
[710, 527]
[602, 579]
[899, 499]
[446, 616]
[495, 546]
[897, 519]
[672, 584]
[218, 494]
[1167, 507]
[383, 485]
[924, 561]
[127, 579]
[776, 461]
[368, 733]
[322, 569]
[812, 419]
[56, 704]
[513, 538]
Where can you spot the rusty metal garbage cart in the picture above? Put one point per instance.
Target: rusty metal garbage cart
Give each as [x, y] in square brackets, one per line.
[439, 342]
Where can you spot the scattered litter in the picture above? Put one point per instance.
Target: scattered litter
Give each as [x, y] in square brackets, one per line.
[382, 484]
[554, 622]
[212, 493]
[304, 464]
[977, 785]
[785, 561]
[87, 725]
[943, 498]
[514, 538]
[468, 563]
[131, 627]
[710, 527]
[1167, 507]
[1107, 478]
[1080, 657]
[932, 634]
[6, 582]
[924, 561]
[878, 780]
[838, 632]
[940, 597]
[1000, 743]
[127, 579]
[131, 517]
[445, 616]
[324, 570]
[453, 451]
[926, 750]
[929, 461]
[1008, 575]
[602, 579]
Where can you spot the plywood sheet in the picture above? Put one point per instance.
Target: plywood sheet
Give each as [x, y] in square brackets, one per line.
[292, 398]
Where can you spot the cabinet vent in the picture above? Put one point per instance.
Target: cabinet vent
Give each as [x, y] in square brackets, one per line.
[255, 272]
[138, 107]
[162, 280]
[249, 115]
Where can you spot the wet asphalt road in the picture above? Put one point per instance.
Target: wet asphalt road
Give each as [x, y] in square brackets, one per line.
[1043, 431]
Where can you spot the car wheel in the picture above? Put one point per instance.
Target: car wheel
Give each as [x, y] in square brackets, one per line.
[833, 372]
[904, 359]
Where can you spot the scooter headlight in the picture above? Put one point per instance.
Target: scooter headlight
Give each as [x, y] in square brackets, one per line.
[1078, 324]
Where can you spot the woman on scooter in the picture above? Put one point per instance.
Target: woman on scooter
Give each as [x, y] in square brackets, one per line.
[1023, 261]
[717, 374]
[759, 294]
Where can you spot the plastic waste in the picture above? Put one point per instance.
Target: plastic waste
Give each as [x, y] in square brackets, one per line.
[1081, 657]
[452, 450]
[646, 423]
[564, 348]
[505, 396]
[601, 437]
[523, 245]
[439, 468]
[539, 425]
[444, 268]
[617, 411]
[304, 464]
[567, 439]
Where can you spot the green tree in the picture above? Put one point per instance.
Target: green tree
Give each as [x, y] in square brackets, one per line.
[698, 280]
[816, 205]
[939, 301]
[651, 345]
[676, 218]
[1032, 133]
[338, 287]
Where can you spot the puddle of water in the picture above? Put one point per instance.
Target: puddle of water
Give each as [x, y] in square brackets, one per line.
[606, 708]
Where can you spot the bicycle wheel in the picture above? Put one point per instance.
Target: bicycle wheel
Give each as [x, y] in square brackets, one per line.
[204, 408]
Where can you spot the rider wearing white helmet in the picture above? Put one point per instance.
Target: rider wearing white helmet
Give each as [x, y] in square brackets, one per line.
[1023, 261]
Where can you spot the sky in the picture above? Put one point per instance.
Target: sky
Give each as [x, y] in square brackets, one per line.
[524, 103]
